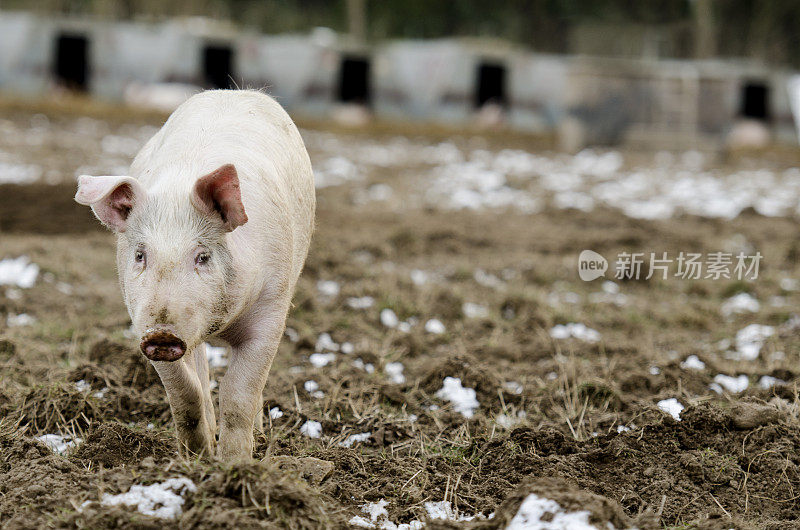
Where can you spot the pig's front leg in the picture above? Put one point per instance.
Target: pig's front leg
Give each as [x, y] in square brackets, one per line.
[188, 402]
[240, 400]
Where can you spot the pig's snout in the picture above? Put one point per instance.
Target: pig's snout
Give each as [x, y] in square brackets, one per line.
[162, 344]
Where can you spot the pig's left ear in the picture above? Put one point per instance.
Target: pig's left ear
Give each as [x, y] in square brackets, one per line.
[218, 193]
[111, 198]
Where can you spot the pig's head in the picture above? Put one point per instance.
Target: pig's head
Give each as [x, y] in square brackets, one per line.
[174, 265]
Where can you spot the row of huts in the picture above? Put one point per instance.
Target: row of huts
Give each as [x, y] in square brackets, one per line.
[441, 80]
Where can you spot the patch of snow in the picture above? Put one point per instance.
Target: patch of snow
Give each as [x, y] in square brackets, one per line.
[312, 429]
[672, 407]
[487, 279]
[217, 356]
[741, 303]
[18, 272]
[435, 326]
[622, 428]
[59, 443]
[362, 302]
[347, 348]
[693, 362]
[655, 370]
[464, 400]
[395, 373]
[162, 500]
[100, 394]
[361, 365]
[538, 513]
[292, 334]
[513, 387]
[472, 310]
[312, 387]
[82, 386]
[23, 319]
[575, 330]
[328, 288]
[325, 342]
[354, 438]
[275, 413]
[321, 359]
[767, 381]
[733, 385]
[790, 284]
[389, 318]
[508, 421]
[749, 341]
[419, 277]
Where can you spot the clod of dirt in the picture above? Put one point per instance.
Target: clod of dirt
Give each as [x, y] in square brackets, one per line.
[114, 444]
[7, 350]
[130, 366]
[244, 495]
[311, 469]
[749, 415]
[603, 511]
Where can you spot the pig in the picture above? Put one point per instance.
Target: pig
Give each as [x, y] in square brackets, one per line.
[213, 226]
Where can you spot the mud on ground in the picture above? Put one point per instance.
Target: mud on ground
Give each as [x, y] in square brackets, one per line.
[572, 421]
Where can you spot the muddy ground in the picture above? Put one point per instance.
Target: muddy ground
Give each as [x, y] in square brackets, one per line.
[569, 420]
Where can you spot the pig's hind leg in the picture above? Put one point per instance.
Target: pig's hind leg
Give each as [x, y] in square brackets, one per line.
[240, 391]
[187, 402]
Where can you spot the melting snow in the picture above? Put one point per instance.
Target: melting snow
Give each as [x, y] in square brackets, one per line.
[472, 310]
[395, 373]
[325, 342]
[513, 387]
[731, 384]
[312, 429]
[312, 387]
[741, 303]
[163, 500]
[363, 302]
[672, 407]
[275, 413]
[321, 359]
[217, 356]
[464, 400]
[59, 443]
[361, 365]
[749, 341]
[389, 318]
[693, 362]
[328, 288]
[537, 513]
[767, 381]
[19, 272]
[82, 386]
[355, 438]
[575, 330]
[435, 326]
[23, 319]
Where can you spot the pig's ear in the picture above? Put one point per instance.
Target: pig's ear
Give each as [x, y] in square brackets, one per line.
[111, 198]
[218, 194]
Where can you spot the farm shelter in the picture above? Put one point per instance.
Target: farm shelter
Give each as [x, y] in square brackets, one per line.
[674, 103]
[442, 79]
[300, 71]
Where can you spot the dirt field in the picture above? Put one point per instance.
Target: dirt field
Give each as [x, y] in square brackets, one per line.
[571, 420]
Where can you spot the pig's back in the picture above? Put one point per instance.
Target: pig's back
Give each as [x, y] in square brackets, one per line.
[250, 130]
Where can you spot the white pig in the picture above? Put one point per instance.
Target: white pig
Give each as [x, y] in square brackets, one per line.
[213, 227]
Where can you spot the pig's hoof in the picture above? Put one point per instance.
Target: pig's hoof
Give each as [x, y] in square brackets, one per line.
[162, 345]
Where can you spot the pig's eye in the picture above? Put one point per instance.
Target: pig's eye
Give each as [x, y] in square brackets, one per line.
[139, 256]
[203, 258]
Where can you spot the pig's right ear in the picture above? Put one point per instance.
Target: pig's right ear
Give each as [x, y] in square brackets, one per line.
[111, 198]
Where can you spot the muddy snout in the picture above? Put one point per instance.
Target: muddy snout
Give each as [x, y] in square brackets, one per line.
[162, 344]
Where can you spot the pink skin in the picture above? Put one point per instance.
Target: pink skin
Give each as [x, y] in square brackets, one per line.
[151, 280]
